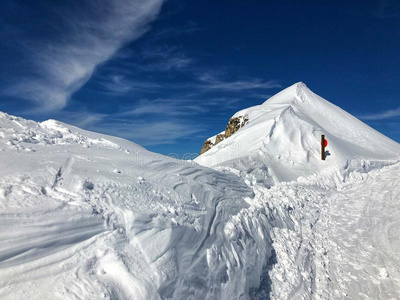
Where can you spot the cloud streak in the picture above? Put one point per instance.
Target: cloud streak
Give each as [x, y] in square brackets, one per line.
[212, 82]
[176, 31]
[118, 84]
[391, 113]
[148, 133]
[85, 35]
[165, 108]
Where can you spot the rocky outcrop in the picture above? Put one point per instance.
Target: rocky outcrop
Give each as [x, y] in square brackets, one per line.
[233, 125]
[206, 146]
[219, 138]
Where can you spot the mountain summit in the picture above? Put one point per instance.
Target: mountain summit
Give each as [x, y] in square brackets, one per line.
[281, 137]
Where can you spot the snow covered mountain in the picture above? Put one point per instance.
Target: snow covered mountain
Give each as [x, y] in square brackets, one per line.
[281, 138]
[89, 216]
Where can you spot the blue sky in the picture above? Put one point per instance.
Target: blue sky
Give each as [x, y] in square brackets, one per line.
[169, 74]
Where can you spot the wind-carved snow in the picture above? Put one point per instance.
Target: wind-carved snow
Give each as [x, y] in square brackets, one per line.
[73, 227]
[89, 216]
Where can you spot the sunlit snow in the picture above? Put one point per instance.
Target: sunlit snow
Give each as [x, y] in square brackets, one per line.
[89, 216]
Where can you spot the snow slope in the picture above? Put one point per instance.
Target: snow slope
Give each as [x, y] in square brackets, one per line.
[89, 216]
[283, 136]
[361, 223]
[333, 225]
[334, 235]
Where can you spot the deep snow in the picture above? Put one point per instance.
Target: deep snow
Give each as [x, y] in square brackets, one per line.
[89, 216]
[85, 215]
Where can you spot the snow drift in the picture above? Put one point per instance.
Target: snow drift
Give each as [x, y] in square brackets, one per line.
[89, 216]
[281, 140]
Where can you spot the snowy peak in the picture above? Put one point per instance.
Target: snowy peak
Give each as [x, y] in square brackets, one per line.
[294, 95]
[298, 91]
[284, 135]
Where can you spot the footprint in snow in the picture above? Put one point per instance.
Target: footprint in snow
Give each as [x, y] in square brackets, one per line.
[383, 273]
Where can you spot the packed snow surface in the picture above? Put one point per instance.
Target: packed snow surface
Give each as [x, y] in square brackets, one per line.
[89, 216]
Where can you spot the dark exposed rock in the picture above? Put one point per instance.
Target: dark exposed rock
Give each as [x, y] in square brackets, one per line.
[219, 138]
[206, 146]
[233, 125]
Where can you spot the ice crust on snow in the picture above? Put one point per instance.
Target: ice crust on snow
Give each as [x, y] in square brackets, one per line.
[89, 216]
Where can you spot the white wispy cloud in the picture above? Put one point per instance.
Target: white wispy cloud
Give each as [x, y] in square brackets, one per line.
[165, 108]
[176, 31]
[164, 58]
[150, 132]
[91, 33]
[118, 84]
[178, 62]
[260, 96]
[211, 81]
[148, 60]
[82, 119]
[391, 113]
